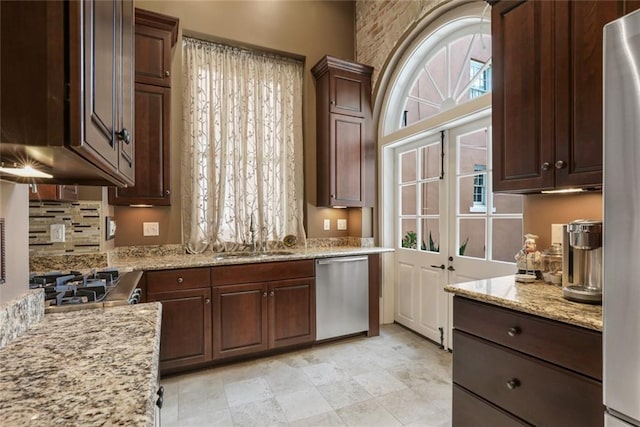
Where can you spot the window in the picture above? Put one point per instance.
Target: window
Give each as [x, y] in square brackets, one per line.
[479, 187]
[480, 77]
[242, 171]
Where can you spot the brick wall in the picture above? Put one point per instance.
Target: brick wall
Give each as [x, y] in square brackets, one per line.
[381, 24]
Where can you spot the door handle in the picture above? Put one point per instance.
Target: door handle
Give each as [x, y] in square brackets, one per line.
[450, 268]
[441, 267]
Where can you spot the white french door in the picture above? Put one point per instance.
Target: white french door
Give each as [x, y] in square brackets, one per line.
[450, 227]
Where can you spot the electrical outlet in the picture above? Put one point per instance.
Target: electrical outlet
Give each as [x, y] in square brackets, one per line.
[342, 224]
[327, 225]
[150, 229]
[57, 233]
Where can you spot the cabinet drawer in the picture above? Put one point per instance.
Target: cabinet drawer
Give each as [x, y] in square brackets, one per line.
[572, 347]
[263, 272]
[536, 391]
[182, 278]
[471, 411]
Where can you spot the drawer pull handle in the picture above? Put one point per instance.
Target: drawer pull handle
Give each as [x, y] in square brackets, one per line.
[513, 384]
[272, 293]
[513, 331]
[264, 294]
[180, 280]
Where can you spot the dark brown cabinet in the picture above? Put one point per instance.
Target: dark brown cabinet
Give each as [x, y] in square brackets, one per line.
[67, 106]
[519, 369]
[345, 148]
[547, 93]
[185, 294]
[52, 192]
[155, 36]
[269, 306]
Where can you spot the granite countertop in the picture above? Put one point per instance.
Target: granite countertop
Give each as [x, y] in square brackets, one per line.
[68, 370]
[537, 298]
[210, 259]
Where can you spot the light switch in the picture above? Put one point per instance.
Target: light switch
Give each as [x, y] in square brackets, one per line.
[342, 224]
[327, 225]
[150, 229]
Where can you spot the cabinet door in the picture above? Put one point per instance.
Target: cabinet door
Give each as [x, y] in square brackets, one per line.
[153, 53]
[292, 312]
[59, 193]
[125, 132]
[240, 319]
[348, 93]
[523, 94]
[346, 160]
[186, 327]
[152, 133]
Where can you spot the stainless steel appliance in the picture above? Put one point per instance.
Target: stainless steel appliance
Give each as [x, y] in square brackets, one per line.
[621, 302]
[69, 291]
[342, 296]
[582, 261]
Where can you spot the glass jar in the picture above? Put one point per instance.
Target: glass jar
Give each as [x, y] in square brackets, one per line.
[552, 264]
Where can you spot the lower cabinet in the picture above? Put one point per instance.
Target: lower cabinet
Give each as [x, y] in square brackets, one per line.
[273, 308]
[186, 336]
[511, 368]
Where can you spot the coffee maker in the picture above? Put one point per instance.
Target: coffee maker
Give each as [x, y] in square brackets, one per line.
[582, 261]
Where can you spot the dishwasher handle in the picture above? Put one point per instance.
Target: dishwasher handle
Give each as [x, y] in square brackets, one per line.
[341, 260]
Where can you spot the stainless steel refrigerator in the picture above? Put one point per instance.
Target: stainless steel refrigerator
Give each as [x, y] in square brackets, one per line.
[621, 238]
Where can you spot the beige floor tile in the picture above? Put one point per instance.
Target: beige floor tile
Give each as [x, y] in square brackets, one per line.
[379, 383]
[326, 419]
[303, 404]
[367, 414]
[344, 393]
[324, 373]
[260, 413]
[247, 391]
[287, 380]
[409, 407]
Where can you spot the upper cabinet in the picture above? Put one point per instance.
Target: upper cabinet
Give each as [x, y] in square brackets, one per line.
[345, 147]
[155, 35]
[52, 192]
[67, 105]
[547, 93]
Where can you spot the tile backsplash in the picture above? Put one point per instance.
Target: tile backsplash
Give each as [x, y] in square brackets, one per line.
[82, 223]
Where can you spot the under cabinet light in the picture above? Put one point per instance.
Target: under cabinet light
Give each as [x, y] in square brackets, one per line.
[140, 206]
[566, 190]
[24, 171]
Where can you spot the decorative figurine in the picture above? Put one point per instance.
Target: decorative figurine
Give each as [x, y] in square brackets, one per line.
[528, 259]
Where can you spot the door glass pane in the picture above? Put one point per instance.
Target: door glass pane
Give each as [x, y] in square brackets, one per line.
[430, 198]
[507, 204]
[431, 161]
[409, 199]
[431, 235]
[408, 234]
[472, 152]
[506, 238]
[472, 194]
[472, 237]
[408, 166]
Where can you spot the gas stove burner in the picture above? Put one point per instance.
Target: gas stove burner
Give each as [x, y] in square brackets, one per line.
[74, 287]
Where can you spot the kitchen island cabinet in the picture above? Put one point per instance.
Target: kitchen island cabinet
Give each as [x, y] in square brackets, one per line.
[69, 369]
[185, 295]
[67, 105]
[517, 368]
[268, 306]
[547, 92]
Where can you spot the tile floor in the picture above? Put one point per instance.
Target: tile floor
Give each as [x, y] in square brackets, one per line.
[396, 379]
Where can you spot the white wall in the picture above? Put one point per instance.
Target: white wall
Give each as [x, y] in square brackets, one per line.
[14, 208]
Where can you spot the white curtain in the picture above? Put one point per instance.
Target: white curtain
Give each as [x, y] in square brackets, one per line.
[242, 148]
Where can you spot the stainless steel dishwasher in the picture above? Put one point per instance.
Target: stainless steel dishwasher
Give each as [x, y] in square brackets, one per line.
[342, 296]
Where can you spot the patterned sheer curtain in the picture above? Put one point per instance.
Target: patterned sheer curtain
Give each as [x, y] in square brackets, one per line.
[242, 148]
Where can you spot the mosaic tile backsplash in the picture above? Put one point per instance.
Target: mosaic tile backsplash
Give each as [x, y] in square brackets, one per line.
[82, 223]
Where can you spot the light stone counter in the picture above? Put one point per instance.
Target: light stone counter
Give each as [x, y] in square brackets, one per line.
[210, 259]
[537, 298]
[71, 370]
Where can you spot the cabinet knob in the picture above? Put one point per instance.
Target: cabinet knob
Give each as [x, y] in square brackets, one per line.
[546, 166]
[167, 192]
[272, 293]
[180, 280]
[167, 73]
[332, 102]
[207, 301]
[264, 294]
[513, 331]
[560, 164]
[513, 384]
[124, 135]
